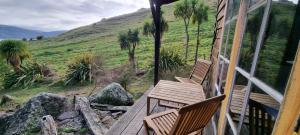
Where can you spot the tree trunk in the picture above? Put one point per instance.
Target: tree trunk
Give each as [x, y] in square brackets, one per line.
[198, 43]
[132, 60]
[187, 42]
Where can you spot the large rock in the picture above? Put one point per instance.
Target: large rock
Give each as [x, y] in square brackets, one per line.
[113, 94]
[27, 118]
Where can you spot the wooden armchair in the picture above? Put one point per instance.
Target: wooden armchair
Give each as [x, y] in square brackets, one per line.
[198, 74]
[189, 119]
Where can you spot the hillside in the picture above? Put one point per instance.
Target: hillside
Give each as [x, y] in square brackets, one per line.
[12, 32]
[101, 38]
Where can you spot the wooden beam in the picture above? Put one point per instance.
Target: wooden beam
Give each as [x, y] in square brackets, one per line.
[156, 13]
[238, 34]
[290, 108]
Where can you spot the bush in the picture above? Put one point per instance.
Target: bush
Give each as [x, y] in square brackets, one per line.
[81, 70]
[169, 61]
[125, 79]
[29, 74]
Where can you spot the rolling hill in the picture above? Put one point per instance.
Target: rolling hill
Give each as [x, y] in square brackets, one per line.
[101, 38]
[12, 32]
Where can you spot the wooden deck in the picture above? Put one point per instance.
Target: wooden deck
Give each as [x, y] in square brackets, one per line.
[131, 123]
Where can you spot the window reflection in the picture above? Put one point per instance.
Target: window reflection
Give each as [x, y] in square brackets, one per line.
[250, 38]
[278, 52]
[230, 39]
[261, 113]
[224, 40]
[238, 96]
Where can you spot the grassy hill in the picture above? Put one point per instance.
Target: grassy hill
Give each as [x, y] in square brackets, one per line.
[101, 39]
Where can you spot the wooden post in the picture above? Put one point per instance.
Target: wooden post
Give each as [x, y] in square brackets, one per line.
[48, 125]
[290, 108]
[238, 34]
[155, 8]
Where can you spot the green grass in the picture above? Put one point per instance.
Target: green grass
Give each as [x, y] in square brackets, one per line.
[101, 39]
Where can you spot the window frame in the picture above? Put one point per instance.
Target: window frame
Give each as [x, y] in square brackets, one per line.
[235, 52]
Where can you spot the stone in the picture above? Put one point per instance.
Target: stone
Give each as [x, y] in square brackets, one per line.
[6, 98]
[116, 115]
[111, 108]
[113, 94]
[27, 118]
[68, 115]
[108, 121]
[75, 123]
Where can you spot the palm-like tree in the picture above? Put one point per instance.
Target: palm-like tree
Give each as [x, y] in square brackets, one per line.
[149, 28]
[14, 52]
[200, 15]
[129, 41]
[184, 10]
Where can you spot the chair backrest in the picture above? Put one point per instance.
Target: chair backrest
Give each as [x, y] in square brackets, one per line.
[195, 117]
[200, 70]
[260, 120]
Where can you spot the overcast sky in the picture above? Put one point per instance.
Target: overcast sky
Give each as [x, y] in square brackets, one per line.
[49, 15]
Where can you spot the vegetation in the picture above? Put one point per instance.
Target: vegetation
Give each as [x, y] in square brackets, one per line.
[81, 70]
[169, 61]
[185, 11]
[27, 76]
[14, 52]
[200, 15]
[149, 28]
[129, 41]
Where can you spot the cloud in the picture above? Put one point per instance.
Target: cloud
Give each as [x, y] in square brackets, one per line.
[51, 15]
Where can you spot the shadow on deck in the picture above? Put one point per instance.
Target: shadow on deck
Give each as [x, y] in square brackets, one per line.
[131, 123]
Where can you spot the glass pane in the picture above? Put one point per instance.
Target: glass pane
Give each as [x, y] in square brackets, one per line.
[220, 70]
[238, 95]
[261, 113]
[280, 45]
[230, 39]
[232, 9]
[250, 38]
[228, 130]
[224, 40]
[253, 2]
[223, 77]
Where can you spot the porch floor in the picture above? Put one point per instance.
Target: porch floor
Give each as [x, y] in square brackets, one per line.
[131, 123]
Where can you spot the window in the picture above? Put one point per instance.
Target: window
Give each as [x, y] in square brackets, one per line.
[265, 59]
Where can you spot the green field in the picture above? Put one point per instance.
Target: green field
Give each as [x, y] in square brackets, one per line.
[101, 39]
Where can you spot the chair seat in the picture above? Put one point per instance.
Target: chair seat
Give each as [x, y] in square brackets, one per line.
[185, 80]
[162, 122]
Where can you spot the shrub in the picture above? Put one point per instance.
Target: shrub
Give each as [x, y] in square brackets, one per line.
[125, 79]
[169, 61]
[81, 70]
[26, 77]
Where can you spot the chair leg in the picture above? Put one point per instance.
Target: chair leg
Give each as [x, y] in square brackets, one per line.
[146, 127]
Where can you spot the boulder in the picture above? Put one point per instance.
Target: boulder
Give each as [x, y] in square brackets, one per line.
[113, 94]
[68, 115]
[27, 118]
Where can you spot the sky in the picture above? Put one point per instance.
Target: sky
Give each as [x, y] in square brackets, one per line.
[51, 15]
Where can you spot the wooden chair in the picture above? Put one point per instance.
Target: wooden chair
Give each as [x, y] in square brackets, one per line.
[261, 120]
[198, 74]
[189, 119]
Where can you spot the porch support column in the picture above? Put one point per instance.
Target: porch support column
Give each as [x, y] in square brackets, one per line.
[155, 9]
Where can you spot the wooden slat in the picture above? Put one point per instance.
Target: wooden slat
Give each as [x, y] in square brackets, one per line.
[126, 119]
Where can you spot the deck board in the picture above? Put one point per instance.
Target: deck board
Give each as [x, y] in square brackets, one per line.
[131, 123]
